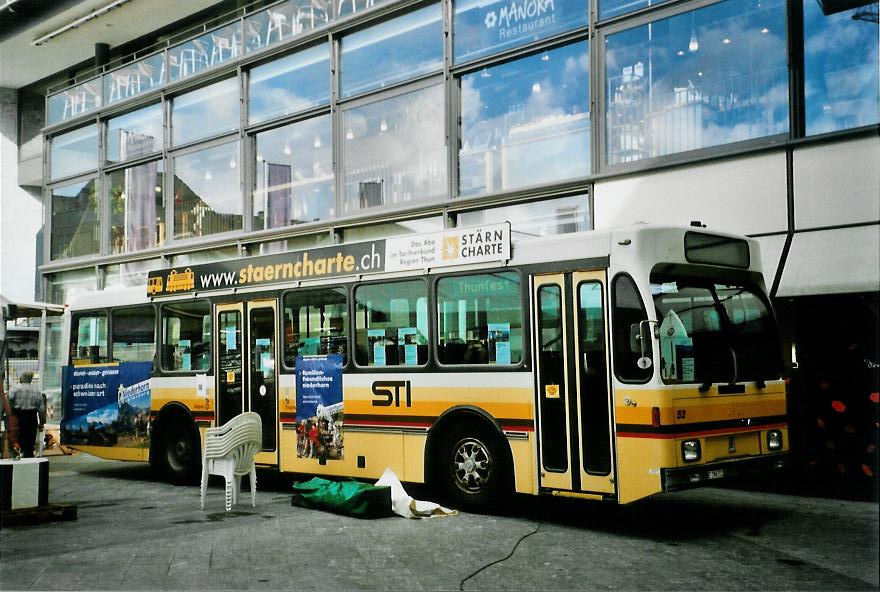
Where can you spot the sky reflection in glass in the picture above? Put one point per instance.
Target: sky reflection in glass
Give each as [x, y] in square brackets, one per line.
[205, 112]
[526, 122]
[74, 152]
[135, 134]
[290, 84]
[702, 78]
[393, 51]
[841, 68]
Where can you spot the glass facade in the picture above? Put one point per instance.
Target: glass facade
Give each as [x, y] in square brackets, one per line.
[383, 115]
[137, 207]
[525, 122]
[207, 199]
[395, 50]
[484, 27]
[294, 174]
[75, 222]
[289, 85]
[706, 77]
[205, 112]
[841, 67]
[394, 151]
[74, 152]
[135, 134]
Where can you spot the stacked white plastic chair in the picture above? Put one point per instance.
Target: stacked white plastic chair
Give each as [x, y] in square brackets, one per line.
[229, 452]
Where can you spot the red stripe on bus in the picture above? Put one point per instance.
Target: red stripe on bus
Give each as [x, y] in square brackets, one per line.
[659, 436]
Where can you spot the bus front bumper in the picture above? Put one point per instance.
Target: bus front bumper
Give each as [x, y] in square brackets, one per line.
[700, 475]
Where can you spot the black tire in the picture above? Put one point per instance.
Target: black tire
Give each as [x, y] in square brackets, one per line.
[177, 452]
[472, 467]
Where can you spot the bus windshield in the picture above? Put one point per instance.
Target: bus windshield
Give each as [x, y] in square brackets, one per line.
[713, 332]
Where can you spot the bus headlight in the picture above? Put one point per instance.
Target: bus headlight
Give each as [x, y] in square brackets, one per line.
[690, 450]
[774, 440]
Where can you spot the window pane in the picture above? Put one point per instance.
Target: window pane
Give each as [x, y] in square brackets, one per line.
[482, 27]
[135, 134]
[395, 50]
[290, 84]
[610, 8]
[207, 256]
[133, 273]
[205, 112]
[186, 336]
[595, 438]
[88, 339]
[134, 78]
[841, 66]
[74, 101]
[627, 314]
[65, 286]
[207, 199]
[315, 323]
[395, 150]
[348, 7]
[210, 49]
[285, 20]
[540, 218]
[137, 210]
[480, 319]
[75, 225]
[294, 174]
[702, 78]
[134, 334]
[525, 122]
[392, 324]
[388, 229]
[74, 152]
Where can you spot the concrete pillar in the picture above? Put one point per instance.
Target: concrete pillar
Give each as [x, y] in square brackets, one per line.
[21, 216]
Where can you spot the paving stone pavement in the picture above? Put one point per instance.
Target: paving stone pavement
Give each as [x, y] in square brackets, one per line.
[136, 533]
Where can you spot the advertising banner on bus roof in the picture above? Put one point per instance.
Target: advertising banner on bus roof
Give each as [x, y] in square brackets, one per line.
[459, 246]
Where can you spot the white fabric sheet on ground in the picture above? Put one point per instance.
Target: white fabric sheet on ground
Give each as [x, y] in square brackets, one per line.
[404, 505]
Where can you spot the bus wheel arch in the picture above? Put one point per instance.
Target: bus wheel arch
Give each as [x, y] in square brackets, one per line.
[175, 445]
[468, 459]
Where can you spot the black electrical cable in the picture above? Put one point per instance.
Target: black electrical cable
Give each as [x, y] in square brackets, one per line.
[509, 555]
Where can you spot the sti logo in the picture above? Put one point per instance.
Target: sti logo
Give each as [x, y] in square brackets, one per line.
[450, 247]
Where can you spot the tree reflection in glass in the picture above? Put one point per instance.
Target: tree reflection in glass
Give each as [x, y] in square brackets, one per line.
[526, 122]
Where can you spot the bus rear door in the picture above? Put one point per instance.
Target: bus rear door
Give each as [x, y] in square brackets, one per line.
[573, 390]
[246, 342]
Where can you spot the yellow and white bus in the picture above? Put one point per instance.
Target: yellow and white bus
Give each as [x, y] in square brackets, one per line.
[606, 365]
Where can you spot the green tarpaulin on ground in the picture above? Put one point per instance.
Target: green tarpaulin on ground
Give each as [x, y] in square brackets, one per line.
[351, 498]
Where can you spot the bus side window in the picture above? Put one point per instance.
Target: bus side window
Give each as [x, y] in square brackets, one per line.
[316, 323]
[88, 339]
[186, 336]
[628, 310]
[392, 324]
[133, 332]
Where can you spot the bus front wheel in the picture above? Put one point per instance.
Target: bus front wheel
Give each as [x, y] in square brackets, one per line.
[472, 466]
[178, 452]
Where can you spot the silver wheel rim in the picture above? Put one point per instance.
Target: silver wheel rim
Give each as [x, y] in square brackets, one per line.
[179, 449]
[471, 465]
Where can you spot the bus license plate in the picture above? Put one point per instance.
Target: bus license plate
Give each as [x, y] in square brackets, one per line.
[716, 474]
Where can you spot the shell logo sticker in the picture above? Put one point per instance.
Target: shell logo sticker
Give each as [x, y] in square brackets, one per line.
[551, 391]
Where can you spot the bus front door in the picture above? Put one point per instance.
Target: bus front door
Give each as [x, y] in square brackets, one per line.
[573, 389]
[246, 342]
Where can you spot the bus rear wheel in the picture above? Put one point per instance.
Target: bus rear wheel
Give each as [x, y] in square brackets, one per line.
[472, 467]
[178, 453]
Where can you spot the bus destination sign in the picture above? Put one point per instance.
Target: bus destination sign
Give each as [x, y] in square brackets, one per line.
[460, 246]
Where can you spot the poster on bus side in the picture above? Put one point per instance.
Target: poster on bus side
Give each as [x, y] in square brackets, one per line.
[319, 407]
[106, 405]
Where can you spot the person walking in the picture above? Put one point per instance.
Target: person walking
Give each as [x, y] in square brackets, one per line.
[26, 402]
